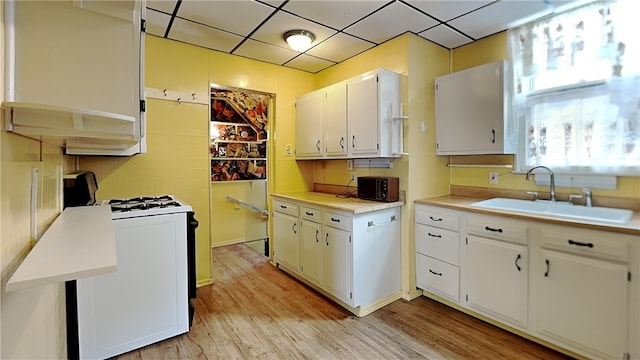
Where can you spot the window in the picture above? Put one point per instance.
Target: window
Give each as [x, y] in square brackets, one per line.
[577, 90]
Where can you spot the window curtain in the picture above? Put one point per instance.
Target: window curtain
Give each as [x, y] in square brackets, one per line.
[576, 82]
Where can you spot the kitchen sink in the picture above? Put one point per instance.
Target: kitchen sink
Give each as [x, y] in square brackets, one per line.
[558, 209]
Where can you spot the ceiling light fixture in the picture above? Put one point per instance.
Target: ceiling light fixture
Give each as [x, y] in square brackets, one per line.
[299, 40]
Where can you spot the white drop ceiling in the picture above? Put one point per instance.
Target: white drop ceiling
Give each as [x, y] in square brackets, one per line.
[342, 28]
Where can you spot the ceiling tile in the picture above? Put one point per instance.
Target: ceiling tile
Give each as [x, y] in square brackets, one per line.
[166, 6]
[265, 52]
[272, 31]
[309, 63]
[340, 47]
[193, 33]
[497, 17]
[238, 16]
[337, 14]
[447, 10]
[390, 22]
[157, 22]
[445, 36]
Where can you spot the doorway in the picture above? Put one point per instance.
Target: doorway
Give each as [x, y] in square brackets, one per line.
[239, 150]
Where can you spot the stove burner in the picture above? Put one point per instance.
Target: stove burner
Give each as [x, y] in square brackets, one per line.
[142, 199]
[129, 205]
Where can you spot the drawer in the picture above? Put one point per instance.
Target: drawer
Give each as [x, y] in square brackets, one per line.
[498, 228]
[337, 221]
[437, 277]
[438, 218]
[311, 214]
[438, 243]
[285, 207]
[590, 243]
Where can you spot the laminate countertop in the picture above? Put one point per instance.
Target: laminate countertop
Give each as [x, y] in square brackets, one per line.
[464, 204]
[352, 205]
[80, 243]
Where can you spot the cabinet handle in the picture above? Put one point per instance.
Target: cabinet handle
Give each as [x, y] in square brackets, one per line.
[335, 220]
[293, 227]
[493, 136]
[317, 240]
[283, 206]
[434, 235]
[326, 239]
[318, 145]
[517, 259]
[493, 229]
[308, 213]
[353, 141]
[435, 219]
[546, 261]
[342, 142]
[578, 243]
[435, 273]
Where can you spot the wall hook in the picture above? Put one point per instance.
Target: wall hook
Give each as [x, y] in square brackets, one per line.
[194, 96]
[164, 92]
[179, 99]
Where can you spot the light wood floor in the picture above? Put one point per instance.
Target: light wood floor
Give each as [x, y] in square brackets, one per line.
[255, 311]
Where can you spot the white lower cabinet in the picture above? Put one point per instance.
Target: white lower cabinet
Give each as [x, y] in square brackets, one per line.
[286, 228]
[497, 279]
[336, 263]
[572, 287]
[583, 291]
[353, 258]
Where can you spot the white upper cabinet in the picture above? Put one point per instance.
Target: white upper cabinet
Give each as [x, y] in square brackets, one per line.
[472, 111]
[355, 118]
[310, 125]
[74, 74]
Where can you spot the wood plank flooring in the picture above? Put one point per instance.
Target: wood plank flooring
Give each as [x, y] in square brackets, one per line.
[255, 311]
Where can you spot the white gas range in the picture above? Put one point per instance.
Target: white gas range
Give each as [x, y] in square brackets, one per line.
[147, 299]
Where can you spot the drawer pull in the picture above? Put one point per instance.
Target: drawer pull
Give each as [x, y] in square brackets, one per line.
[283, 206]
[546, 274]
[434, 235]
[493, 229]
[518, 259]
[435, 219]
[435, 273]
[578, 243]
[335, 220]
[308, 213]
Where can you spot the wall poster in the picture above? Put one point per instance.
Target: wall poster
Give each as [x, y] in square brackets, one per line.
[238, 131]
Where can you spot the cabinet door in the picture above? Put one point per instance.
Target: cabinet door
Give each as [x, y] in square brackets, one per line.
[362, 109]
[336, 263]
[335, 116]
[583, 301]
[286, 243]
[497, 279]
[311, 251]
[469, 109]
[309, 125]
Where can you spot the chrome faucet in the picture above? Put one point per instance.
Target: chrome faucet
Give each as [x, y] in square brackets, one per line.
[552, 182]
[587, 195]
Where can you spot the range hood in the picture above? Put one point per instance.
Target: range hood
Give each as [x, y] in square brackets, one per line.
[79, 89]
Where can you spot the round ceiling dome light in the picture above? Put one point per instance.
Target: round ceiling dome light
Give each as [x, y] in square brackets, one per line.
[299, 40]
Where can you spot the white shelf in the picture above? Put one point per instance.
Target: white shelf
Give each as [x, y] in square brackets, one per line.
[481, 166]
[80, 243]
[33, 119]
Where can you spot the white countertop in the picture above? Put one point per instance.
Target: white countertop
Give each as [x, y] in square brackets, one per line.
[80, 243]
[353, 205]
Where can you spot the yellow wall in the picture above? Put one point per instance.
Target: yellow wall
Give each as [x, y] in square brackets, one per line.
[491, 49]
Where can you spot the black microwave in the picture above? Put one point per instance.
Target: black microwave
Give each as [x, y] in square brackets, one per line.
[378, 188]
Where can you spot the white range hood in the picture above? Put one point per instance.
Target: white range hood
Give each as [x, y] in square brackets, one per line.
[74, 74]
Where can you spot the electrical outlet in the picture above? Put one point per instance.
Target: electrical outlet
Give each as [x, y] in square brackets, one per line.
[493, 177]
[353, 176]
[349, 165]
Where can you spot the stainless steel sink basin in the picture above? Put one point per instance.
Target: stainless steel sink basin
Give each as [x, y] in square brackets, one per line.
[564, 210]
